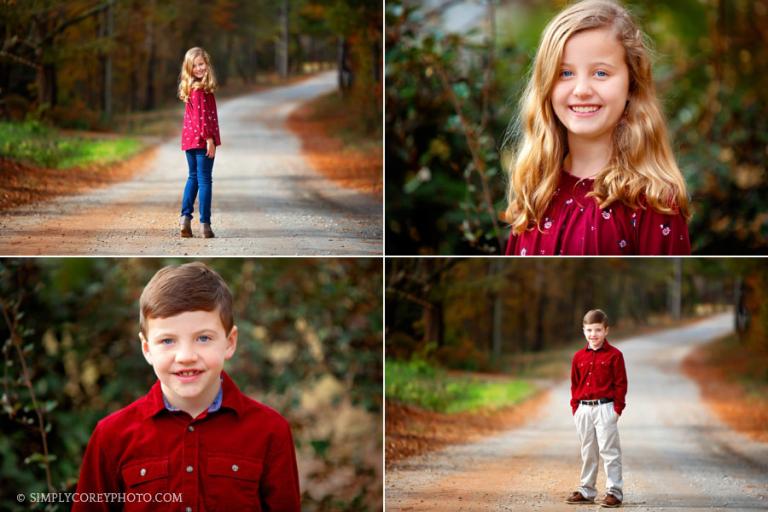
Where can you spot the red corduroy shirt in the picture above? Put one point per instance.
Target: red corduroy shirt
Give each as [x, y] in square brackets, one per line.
[240, 457]
[599, 374]
[201, 121]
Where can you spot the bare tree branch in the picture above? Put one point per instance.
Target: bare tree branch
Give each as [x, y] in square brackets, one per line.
[12, 321]
[471, 138]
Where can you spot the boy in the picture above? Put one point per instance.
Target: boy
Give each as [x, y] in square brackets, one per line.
[598, 389]
[194, 442]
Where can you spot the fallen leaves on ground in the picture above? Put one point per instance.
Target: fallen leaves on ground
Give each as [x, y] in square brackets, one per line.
[357, 167]
[412, 431]
[22, 184]
[747, 413]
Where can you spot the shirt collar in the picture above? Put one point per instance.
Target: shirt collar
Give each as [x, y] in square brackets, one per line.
[215, 405]
[604, 346]
[229, 394]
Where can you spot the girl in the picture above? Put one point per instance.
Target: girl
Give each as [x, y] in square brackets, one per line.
[199, 136]
[594, 172]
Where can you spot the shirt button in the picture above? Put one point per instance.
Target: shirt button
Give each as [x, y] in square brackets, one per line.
[189, 469]
[235, 467]
[143, 472]
[191, 428]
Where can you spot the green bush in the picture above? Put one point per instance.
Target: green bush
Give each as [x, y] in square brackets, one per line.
[36, 144]
[417, 382]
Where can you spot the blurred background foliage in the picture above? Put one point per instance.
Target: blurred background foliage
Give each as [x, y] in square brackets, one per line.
[455, 70]
[310, 347]
[498, 314]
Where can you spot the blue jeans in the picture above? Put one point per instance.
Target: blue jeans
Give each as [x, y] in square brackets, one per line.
[199, 179]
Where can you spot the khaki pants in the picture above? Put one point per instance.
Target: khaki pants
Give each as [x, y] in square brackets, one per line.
[599, 435]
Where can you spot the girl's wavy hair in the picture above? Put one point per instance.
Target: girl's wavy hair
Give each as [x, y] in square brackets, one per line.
[187, 81]
[642, 170]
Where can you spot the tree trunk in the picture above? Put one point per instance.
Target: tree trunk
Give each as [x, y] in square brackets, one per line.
[149, 41]
[541, 304]
[344, 66]
[50, 86]
[496, 267]
[675, 289]
[281, 48]
[107, 32]
[434, 324]
[742, 312]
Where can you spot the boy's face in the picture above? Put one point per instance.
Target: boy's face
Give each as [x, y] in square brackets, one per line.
[188, 351]
[595, 334]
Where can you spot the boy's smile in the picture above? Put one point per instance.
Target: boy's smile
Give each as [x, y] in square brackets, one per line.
[187, 352]
[595, 334]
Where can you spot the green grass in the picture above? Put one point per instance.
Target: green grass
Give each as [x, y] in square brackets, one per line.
[39, 145]
[418, 383]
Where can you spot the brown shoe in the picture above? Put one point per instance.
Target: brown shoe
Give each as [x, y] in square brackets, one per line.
[186, 226]
[578, 499]
[610, 501]
[207, 231]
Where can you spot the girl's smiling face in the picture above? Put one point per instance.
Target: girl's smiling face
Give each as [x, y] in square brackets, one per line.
[199, 67]
[592, 88]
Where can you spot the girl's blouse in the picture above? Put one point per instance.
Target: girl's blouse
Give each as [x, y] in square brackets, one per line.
[200, 121]
[575, 225]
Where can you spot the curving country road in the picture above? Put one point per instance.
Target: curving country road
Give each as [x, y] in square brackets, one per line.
[676, 455]
[267, 200]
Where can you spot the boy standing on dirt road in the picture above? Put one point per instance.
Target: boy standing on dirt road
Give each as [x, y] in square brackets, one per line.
[598, 390]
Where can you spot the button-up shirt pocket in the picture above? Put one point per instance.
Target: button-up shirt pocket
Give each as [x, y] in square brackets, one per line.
[602, 373]
[145, 476]
[233, 482]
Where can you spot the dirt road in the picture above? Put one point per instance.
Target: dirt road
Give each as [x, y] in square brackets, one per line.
[267, 200]
[676, 454]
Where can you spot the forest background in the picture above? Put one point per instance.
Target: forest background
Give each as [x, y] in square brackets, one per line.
[454, 73]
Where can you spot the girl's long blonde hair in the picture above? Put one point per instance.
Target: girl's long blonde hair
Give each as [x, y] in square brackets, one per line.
[187, 81]
[642, 170]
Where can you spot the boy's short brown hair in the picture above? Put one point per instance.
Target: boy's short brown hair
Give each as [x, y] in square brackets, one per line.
[596, 316]
[188, 287]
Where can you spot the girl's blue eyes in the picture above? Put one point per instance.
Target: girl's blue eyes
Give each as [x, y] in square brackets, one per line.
[568, 74]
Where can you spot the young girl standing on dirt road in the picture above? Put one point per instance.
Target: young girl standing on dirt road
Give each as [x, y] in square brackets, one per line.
[594, 172]
[199, 137]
